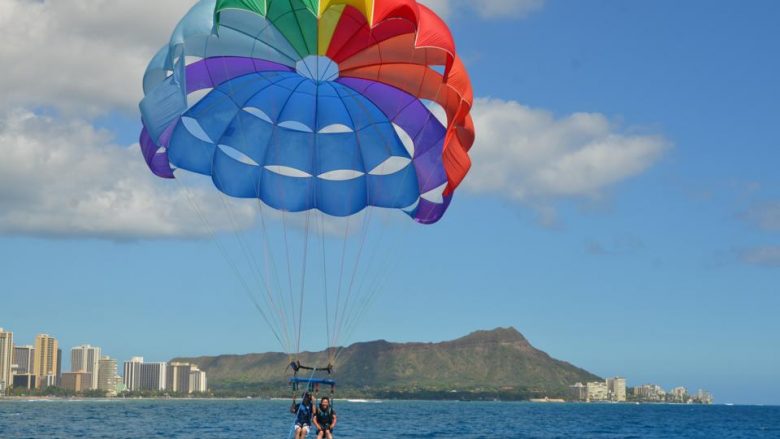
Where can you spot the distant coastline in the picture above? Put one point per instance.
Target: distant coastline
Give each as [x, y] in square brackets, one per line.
[494, 365]
[9, 399]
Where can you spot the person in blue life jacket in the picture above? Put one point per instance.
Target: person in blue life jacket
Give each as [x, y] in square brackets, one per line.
[325, 419]
[303, 415]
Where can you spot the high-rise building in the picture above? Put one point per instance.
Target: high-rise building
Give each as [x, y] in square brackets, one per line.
[679, 394]
[650, 392]
[86, 358]
[597, 391]
[140, 376]
[24, 359]
[198, 383]
[616, 388]
[153, 376]
[6, 359]
[45, 364]
[107, 376]
[578, 392]
[77, 381]
[179, 377]
[704, 397]
[132, 374]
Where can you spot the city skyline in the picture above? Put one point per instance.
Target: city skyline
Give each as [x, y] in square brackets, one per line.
[28, 367]
[615, 389]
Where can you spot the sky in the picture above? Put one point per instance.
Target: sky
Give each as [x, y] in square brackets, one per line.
[623, 210]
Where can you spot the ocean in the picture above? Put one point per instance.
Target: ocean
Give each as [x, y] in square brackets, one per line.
[200, 419]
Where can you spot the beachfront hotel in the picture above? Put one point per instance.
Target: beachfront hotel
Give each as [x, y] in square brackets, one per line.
[140, 376]
[76, 381]
[108, 379]
[597, 391]
[616, 388]
[6, 359]
[132, 374]
[613, 389]
[174, 377]
[198, 383]
[153, 376]
[86, 358]
[179, 377]
[23, 361]
[47, 362]
[24, 356]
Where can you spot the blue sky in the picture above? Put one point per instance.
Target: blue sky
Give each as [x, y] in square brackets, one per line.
[661, 266]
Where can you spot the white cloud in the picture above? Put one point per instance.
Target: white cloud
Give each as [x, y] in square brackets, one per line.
[81, 55]
[767, 256]
[530, 155]
[766, 216]
[486, 9]
[64, 178]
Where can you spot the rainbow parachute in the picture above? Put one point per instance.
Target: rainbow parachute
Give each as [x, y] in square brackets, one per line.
[310, 104]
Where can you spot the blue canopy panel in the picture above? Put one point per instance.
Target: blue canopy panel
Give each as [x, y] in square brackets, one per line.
[241, 33]
[296, 144]
[312, 381]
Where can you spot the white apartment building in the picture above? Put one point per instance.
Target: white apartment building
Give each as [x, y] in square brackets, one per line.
[6, 359]
[650, 392]
[132, 374]
[679, 394]
[107, 373]
[616, 387]
[198, 382]
[597, 391]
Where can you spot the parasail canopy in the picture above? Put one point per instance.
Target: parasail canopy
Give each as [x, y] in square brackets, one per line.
[304, 104]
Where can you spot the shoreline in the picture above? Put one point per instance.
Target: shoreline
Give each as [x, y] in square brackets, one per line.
[357, 401]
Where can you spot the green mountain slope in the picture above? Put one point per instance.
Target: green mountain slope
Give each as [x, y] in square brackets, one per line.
[484, 364]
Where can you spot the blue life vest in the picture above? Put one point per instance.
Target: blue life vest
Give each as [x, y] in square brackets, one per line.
[303, 414]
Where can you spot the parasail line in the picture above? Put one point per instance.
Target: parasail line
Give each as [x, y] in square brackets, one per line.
[248, 255]
[232, 264]
[242, 243]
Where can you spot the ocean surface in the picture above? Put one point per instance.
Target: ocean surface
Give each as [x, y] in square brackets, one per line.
[396, 419]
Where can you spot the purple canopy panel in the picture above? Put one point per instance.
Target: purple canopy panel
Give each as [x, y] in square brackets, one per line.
[429, 213]
[211, 72]
[426, 131]
[384, 96]
[405, 111]
[157, 160]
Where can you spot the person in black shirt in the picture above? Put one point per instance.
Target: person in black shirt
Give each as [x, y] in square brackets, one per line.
[325, 419]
